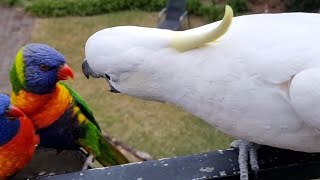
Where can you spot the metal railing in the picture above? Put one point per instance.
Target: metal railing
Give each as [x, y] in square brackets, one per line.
[223, 164]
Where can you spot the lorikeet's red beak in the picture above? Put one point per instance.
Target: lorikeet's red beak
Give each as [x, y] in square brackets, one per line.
[65, 72]
[14, 113]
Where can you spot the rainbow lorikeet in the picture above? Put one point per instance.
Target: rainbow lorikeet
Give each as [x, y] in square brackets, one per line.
[62, 118]
[17, 138]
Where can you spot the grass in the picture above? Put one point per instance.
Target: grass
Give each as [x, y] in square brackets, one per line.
[162, 130]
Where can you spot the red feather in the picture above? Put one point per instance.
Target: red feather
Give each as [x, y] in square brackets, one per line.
[18, 152]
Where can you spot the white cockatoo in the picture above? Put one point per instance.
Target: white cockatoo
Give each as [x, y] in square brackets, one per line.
[254, 77]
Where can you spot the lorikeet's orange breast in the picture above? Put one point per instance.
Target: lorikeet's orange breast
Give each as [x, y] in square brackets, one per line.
[18, 152]
[43, 109]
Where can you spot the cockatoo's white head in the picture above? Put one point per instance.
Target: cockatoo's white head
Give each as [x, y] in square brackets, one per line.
[126, 55]
[119, 55]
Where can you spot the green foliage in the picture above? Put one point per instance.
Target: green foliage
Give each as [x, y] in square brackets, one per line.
[303, 6]
[55, 8]
[194, 7]
[63, 8]
[239, 6]
[212, 13]
[21, 3]
[154, 5]
[9, 2]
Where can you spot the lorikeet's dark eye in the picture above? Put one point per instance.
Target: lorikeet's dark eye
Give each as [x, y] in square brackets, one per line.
[8, 109]
[44, 67]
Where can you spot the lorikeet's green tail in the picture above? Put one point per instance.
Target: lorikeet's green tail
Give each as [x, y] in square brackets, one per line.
[109, 154]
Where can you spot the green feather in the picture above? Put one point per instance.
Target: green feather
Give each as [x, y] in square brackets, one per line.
[82, 105]
[16, 84]
[110, 154]
[17, 73]
[105, 151]
[91, 137]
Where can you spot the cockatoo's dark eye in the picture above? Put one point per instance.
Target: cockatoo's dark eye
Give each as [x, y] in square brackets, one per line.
[107, 76]
[44, 67]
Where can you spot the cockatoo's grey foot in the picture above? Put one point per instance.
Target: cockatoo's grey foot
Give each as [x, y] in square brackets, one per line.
[247, 152]
[88, 163]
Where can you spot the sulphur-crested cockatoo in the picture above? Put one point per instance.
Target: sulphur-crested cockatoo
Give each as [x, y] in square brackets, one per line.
[256, 77]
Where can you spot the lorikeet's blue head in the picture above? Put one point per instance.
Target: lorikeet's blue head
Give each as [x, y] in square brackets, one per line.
[9, 125]
[4, 104]
[37, 68]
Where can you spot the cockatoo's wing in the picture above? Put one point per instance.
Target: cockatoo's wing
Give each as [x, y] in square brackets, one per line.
[305, 96]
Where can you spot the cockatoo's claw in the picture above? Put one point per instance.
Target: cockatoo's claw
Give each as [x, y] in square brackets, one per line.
[253, 155]
[247, 152]
[89, 163]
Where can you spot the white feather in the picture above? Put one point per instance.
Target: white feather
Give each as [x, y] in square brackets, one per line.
[239, 84]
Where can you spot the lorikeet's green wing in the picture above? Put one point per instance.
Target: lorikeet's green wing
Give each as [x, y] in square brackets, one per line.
[105, 151]
[91, 137]
[79, 101]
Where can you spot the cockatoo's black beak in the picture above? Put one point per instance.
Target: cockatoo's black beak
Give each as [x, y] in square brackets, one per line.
[87, 71]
